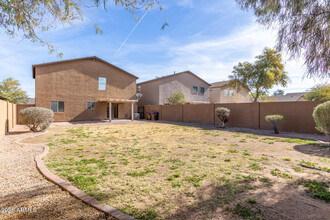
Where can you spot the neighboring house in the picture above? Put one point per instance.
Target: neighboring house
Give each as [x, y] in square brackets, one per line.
[28, 101]
[84, 89]
[157, 91]
[289, 97]
[3, 98]
[220, 92]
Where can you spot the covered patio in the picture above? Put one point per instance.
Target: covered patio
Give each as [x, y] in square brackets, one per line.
[110, 101]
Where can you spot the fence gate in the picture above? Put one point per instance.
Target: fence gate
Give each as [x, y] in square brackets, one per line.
[141, 111]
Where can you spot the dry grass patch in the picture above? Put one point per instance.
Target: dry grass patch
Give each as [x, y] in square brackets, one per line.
[156, 171]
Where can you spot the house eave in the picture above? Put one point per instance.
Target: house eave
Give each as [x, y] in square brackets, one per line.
[78, 59]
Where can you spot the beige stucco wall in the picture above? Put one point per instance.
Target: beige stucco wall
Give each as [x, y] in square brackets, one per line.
[10, 116]
[158, 92]
[3, 118]
[301, 99]
[217, 95]
[150, 92]
[7, 117]
[76, 83]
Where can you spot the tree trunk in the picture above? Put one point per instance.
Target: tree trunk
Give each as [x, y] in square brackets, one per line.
[222, 125]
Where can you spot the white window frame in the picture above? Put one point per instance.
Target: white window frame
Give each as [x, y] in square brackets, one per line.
[231, 93]
[101, 84]
[226, 93]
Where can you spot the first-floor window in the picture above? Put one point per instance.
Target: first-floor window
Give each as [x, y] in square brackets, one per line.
[226, 92]
[231, 92]
[91, 105]
[57, 106]
[194, 90]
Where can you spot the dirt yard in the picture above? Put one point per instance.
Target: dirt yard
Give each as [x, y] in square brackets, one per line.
[168, 171]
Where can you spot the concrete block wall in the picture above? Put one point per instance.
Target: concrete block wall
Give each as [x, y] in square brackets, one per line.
[298, 115]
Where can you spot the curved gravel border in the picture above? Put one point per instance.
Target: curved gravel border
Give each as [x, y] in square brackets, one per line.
[75, 191]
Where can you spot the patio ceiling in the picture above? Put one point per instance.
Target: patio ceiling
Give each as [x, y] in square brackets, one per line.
[118, 100]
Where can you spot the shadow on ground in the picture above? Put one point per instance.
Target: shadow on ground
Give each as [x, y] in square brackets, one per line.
[313, 150]
[17, 132]
[252, 131]
[230, 201]
[46, 203]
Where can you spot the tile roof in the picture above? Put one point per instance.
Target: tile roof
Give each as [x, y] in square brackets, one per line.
[219, 84]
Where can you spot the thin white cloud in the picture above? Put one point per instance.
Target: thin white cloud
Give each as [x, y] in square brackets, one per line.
[131, 32]
[185, 3]
[213, 59]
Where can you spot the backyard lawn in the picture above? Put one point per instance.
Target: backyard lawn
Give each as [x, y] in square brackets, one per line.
[166, 171]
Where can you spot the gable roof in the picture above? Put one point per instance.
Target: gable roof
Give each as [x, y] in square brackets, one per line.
[289, 97]
[93, 58]
[175, 74]
[219, 84]
[28, 101]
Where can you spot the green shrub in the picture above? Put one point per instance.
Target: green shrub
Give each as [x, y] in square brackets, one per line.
[223, 115]
[176, 99]
[37, 118]
[321, 117]
[274, 120]
[319, 92]
[318, 190]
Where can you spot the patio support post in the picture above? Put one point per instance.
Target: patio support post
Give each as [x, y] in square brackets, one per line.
[132, 111]
[110, 111]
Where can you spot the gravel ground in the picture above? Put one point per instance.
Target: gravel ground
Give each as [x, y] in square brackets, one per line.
[25, 194]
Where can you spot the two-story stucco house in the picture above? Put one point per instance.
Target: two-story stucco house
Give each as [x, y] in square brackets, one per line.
[84, 89]
[157, 91]
[220, 92]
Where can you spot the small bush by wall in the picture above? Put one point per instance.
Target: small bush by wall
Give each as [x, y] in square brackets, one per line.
[275, 121]
[223, 115]
[37, 118]
[321, 116]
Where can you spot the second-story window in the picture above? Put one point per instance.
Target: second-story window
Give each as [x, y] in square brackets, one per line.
[202, 90]
[195, 90]
[102, 83]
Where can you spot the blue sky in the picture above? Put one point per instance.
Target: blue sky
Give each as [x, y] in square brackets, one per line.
[207, 39]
